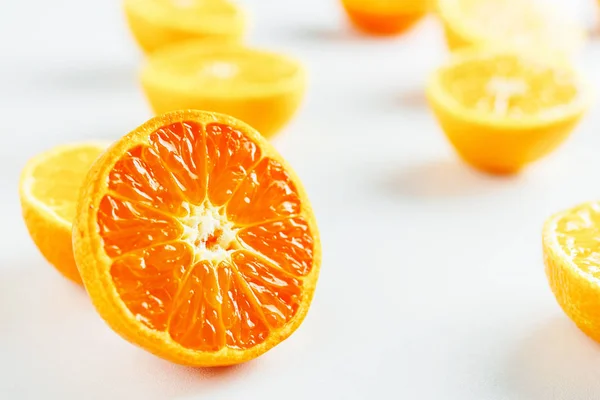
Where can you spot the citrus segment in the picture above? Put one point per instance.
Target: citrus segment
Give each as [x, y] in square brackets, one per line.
[277, 293]
[159, 23]
[287, 242]
[243, 325]
[147, 280]
[126, 226]
[183, 150]
[196, 322]
[267, 193]
[48, 189]
[230, 156]
[259, 87]
[504, 109]
[141, 177]
[572, 259]
[214, 272]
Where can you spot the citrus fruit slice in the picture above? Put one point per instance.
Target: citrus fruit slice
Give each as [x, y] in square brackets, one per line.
[508, 24]
[502, 110]
[157, 23]
[261, 88]
[48, 189]
[385, 17]
[572, 259]
[196, 241]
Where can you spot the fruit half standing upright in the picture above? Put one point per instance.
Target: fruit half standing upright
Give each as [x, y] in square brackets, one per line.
[196, 241]
[503, 109]
[262, 88]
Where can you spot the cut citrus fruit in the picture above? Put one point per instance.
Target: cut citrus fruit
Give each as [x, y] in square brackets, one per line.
[507, 24]
[157, 23]
[261, 88]
[48, 188]
[502, 110]
[385, 17]
[196, 241]
[572, 259]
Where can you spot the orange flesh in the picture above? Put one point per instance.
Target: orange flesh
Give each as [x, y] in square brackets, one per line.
[579, 235]
[207, 237]
[510, 86]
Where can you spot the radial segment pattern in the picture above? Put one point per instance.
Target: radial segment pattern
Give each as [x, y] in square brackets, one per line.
[510, 86]
[578, 235]
[207, 236]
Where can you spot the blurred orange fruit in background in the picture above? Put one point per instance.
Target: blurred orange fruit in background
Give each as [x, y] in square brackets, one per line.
[385, 17]
[509, 23]
[48, 188]
[264, 89]
[502, 110]
[570, 243]
[196, 241]
[157, 23]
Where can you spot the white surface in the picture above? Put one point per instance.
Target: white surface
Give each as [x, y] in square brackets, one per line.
[432, 285]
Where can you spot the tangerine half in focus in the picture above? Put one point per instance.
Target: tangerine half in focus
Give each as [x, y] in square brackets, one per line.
[385, 17]
[195, 240]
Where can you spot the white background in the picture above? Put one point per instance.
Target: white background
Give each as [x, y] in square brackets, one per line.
[432, 284]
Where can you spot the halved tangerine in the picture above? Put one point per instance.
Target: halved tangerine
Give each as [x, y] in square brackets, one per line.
[504, 109]
[195, 240]
[262, 88]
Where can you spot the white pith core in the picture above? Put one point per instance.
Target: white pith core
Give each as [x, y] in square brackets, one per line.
[210, 234]
[502, 89]
[220, 70]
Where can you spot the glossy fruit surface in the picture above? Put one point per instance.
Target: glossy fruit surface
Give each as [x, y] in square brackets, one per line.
[196, 241]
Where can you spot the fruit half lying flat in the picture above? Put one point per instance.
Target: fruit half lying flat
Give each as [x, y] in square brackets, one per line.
[261, 88]
[502, 110]
[158, 23]
[48, 189]
[196, 241]
[385, 17]
[572, 258]
[507, 24]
